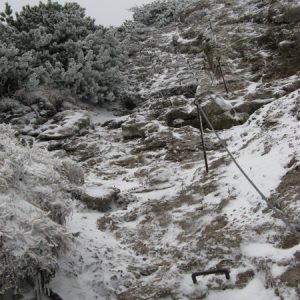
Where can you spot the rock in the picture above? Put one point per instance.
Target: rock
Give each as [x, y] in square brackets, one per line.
[227, 120]
[212, 104]
[250, 107]
[100, 198]
[113, 124]
[64, 124]
[148, 270]
[292, 14]
[286, 45]
[242, 279]
[178, 101]
[186, 90]
[182, 116]
[145, 292]
[292, 276]
[124, 200]
[200, 291]
[158, 176]
[134, 127]
[219, 111]
[56, 133]
[129, 161]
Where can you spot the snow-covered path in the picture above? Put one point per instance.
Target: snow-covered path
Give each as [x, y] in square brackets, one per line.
[135, 255]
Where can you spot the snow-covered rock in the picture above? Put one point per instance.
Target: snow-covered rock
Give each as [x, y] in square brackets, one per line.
[64, 124]
[101, 198]
[134, 128]
[165, 217]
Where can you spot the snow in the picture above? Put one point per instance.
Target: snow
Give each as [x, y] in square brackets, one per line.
[278, 270]
[252, 87]
[171, 201]
[99, 116]
[89, 277]
[265, 166]
[254, 290]
[97, 191]
[268, 251]
[222, 103]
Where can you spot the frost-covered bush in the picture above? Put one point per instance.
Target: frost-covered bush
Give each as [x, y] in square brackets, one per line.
[33, 203]
[161, 13]
[14, 68]
[158, 13]
[57, 45]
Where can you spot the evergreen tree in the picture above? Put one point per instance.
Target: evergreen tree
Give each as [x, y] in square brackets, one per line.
[66, 49]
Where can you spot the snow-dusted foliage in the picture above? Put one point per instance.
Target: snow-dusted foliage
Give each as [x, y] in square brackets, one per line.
[33, 203]
[161, 13]
[56, 45]
[158, 13]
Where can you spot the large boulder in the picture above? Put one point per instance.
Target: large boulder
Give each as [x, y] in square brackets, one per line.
[219, 111]
[99, 197]
[227, 120]
[134, 128]
[292, 14]
[64, 124]
[186, 90]
[249, 107]
[182, 116]
[212, 104]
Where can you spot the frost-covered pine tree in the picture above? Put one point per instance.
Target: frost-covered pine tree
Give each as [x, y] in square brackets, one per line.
[66, 49]
[161, 13]
[158, 13]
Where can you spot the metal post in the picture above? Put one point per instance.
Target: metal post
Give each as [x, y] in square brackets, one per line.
[222, 74]
[202, 135]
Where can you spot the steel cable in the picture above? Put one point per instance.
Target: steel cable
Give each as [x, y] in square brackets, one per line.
[269, 204]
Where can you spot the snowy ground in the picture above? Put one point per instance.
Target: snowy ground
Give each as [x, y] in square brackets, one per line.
[163, 228]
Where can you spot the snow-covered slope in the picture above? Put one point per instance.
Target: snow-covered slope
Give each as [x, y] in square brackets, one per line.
[148, 215]
[182, 220]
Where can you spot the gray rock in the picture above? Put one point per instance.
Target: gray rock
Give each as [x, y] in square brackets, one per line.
[65, 124]
[57, 134]
[292, 14]
[100, 198]
[123, 200]
[250, 107]
[227, 120]
[186, 90]
[212, 104]
[219, 111]
[188, 117]
[134, 128]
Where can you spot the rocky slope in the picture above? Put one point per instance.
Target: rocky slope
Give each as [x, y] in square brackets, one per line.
[168, 218]
[148, 215]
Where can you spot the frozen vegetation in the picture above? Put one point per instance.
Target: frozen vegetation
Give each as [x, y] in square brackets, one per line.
[35, 205]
